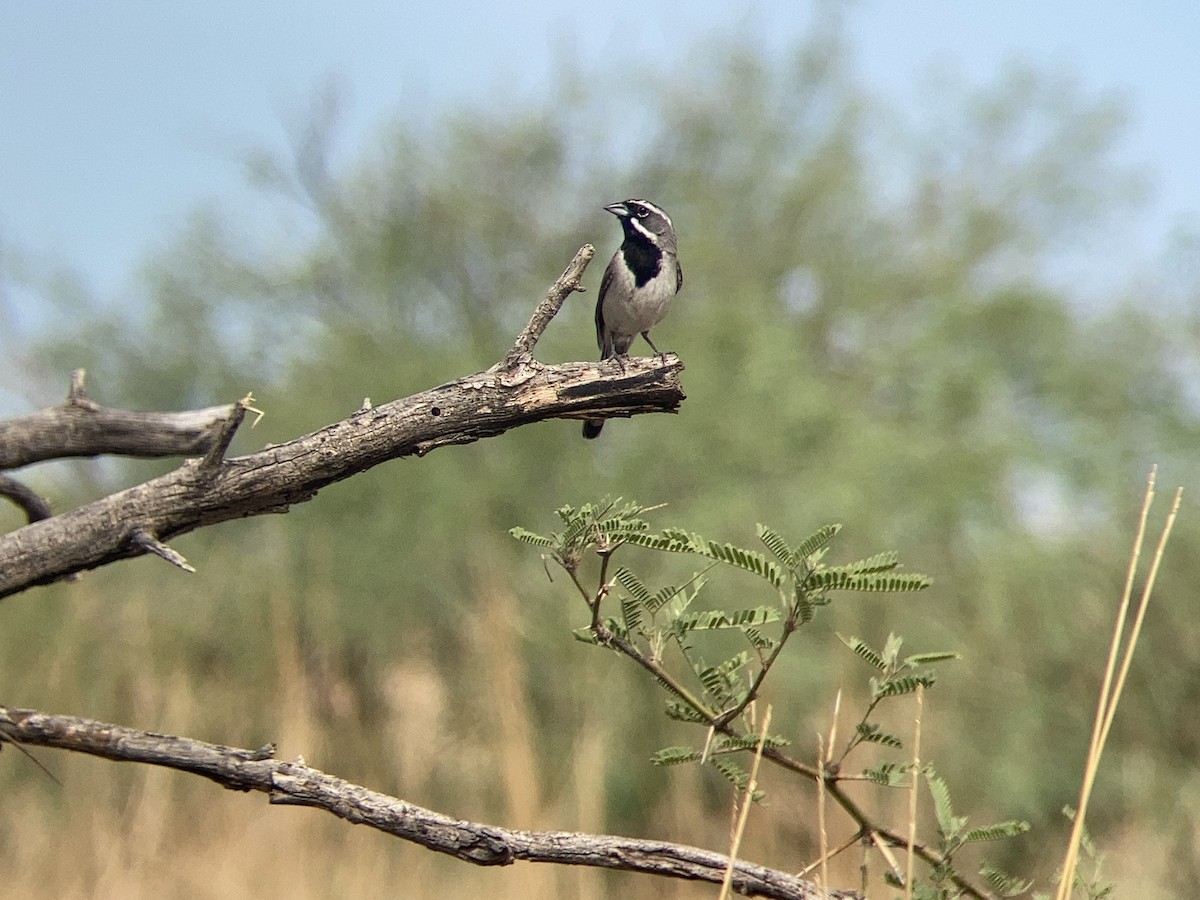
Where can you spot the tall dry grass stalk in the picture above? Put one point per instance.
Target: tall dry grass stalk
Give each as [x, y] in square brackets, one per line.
[744, 815]
[912, 794]
[1114, 680]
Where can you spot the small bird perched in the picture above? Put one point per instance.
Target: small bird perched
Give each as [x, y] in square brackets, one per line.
[639, 284]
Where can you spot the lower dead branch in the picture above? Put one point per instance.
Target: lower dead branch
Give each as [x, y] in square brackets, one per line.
[294, 783]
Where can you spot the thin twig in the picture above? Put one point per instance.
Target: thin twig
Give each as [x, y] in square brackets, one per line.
[602, 590]
[568, 282]
[885, 851]
[752, 694]
[832, 854]
[912, 794]
[35, 507]
[790, 624]
[665, 678]
[747, 802]
[822, 834]
[216, 453]
[148, 542]
[33, 759]
[825, 755]
[76, 395]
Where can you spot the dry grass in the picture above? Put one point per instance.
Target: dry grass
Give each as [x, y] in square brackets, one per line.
[1114, 676]
[463, 734]
[136, 832]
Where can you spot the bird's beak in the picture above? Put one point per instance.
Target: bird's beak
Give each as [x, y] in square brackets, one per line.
[618, 209]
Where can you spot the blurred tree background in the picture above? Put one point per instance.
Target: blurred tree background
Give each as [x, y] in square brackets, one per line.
[876, 331]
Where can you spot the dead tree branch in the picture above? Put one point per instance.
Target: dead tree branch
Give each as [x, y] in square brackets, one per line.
[567, 282]
[215, 489]
[295, 783]
[80, 427]
[36, 508]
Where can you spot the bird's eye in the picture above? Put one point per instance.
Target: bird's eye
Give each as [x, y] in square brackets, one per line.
[642, 212]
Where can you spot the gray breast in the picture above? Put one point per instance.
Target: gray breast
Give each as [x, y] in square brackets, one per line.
[628, 311]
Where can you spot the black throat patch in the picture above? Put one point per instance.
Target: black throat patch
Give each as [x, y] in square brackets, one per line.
[644, 260]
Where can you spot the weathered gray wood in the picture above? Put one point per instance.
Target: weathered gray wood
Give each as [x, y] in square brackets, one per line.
[517, 391]
[294, 783]
[271, 480]
[80, 427]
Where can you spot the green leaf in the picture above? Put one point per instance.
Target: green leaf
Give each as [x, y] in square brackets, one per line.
[891, 649]
[619, 525]
[674, 756]
[903, 684]
[570, 514]
[670, 541]
[996, 832]
[748, 742]
[886, 774]
[740, 618]
[722, 681]
[631, 611]
[682, 712]
[713, 682]
[838, 578]
[529, 537]
[925, 659]
[747, 560]
[861, 649]
[759, 640]
[816, 541]
[660, 598]
[880, 562]
[777, 545]
[870, 732]
[678, 602]
[805, 607]
[734, 664]
[633, 586]
[948, 823]
[736, 775]
[587, 636]
[1004, 884]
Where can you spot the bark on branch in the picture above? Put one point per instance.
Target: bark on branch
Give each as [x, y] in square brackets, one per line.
[295, 783]
[80, 427]
[517, 391]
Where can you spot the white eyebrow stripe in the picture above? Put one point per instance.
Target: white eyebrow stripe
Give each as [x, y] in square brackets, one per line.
[653, 208]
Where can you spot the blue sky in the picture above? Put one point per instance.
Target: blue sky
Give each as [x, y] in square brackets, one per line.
[119, 117]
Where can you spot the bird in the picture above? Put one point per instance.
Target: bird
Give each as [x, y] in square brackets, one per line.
[639, 284]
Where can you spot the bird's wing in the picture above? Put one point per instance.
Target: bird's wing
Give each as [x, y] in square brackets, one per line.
[605, 284]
